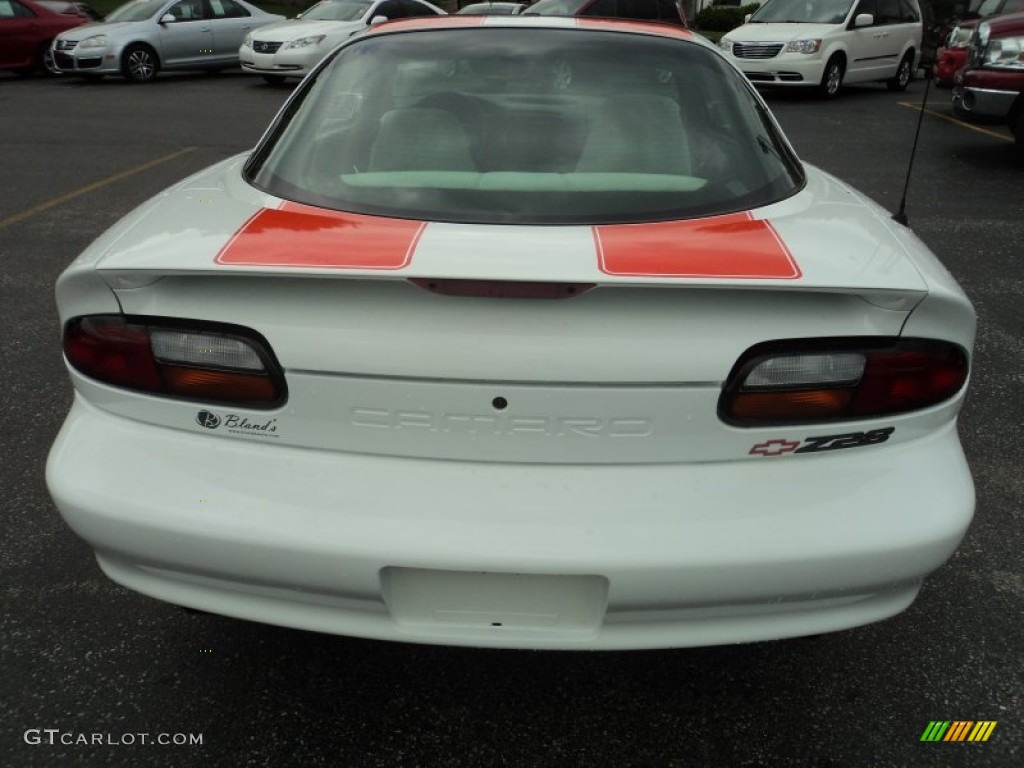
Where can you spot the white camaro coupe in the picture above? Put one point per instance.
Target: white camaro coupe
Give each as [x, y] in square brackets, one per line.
[518, 332]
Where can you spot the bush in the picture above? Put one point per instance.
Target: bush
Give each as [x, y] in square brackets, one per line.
[722, 18]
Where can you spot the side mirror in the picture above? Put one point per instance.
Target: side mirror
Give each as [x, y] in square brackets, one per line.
[377, 20]
[863, 20]
[747, 18]
[167, 18]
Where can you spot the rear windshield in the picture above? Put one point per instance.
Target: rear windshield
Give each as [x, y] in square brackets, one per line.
[509, 125]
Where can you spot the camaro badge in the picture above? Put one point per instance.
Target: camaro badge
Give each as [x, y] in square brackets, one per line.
[779, 446]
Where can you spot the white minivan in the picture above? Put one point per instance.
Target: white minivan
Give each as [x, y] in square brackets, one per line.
[825, 43]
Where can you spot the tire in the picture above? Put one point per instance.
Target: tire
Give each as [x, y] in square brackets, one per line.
[140, 64]
[1017, 127]
[832, 78]
[904, 74]
[274, 79]
[46, 62]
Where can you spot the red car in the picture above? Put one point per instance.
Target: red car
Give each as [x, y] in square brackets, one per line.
[953, 53]
[26, 30]
[990, 87]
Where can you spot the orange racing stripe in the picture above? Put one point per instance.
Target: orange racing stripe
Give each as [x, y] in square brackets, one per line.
[735, 246]
[296, 235]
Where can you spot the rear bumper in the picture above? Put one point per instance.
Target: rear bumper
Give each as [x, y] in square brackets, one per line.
[530, 556]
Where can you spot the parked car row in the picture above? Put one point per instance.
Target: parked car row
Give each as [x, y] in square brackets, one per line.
[785, 43]
[990, 87]
[952, 55]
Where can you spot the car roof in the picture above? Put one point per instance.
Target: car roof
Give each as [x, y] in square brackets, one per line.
[454, 21]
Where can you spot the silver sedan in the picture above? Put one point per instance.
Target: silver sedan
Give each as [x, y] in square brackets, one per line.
[143, 37]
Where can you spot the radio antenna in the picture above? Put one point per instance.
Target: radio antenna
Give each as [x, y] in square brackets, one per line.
[901, 215]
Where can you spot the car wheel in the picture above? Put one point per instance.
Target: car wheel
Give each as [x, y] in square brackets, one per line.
[904, 74]
[139, 64]
[46, 62]
[831, 78]
[274, 79]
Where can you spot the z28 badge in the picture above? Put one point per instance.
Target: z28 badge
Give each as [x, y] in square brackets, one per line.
[779, 447]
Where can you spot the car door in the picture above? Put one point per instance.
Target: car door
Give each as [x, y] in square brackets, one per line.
[19, 31]
[889, 23]
[231, 23]
[188, 40]
[866, 47]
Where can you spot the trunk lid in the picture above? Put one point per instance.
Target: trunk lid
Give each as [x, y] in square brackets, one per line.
[627, 372]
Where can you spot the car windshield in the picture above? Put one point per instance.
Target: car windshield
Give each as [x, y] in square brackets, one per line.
[140, 10]
[502, 125]
[555, 8]
[802, 12]
[337, 10]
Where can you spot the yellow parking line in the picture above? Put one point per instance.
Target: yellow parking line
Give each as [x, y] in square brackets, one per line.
[961, 123]
[92, 187]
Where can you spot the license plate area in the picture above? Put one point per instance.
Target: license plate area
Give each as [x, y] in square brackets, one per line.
[456, 602]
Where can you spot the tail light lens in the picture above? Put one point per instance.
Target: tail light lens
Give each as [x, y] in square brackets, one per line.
[221, 364]
[803, 382]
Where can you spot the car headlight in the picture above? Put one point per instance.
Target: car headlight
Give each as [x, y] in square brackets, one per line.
[804, 46]
[305, 42]
[725, 44]
[96, 41]
[248, 41]
[960, 37]
[1005, 53]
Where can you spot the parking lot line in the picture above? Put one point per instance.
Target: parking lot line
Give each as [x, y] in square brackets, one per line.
[952, 119]
[91, 187]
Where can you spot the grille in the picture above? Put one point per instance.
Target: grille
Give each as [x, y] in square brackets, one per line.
[66, 45]
[261, 47]
[64, 61]
[756, 50]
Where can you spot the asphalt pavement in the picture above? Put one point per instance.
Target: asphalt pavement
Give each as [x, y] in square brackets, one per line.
[80, 656]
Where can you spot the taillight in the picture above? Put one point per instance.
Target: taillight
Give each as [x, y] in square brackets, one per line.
[807, 381]
[210, 363]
